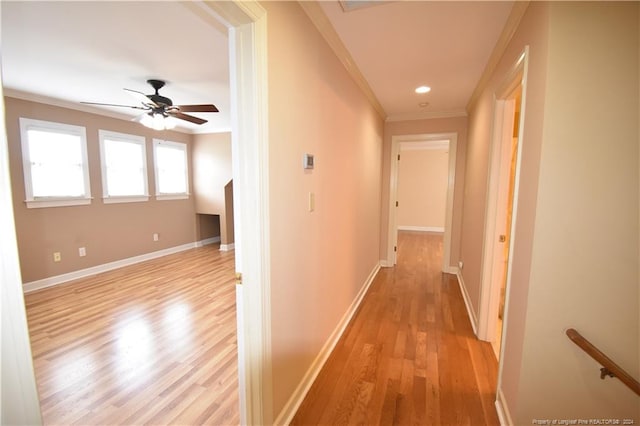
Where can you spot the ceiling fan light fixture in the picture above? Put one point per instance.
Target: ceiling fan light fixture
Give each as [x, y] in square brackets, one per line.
[170, 122]
[161, 113]
[157, 121]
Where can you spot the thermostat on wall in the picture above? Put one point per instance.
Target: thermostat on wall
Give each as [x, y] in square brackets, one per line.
[308, 161]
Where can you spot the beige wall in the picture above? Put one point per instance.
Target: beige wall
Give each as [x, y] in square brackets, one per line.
[320, 259]
[109, 232]
[437, 125]
[575, 256]
[584, 271]
[422, 188]
[212, 172]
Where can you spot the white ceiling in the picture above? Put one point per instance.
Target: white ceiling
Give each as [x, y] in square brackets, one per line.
[67, 52]
[401, 45]
[90, 51]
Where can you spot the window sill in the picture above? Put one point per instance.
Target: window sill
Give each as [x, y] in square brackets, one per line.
[57, 202]
[162, 197]
[125, 199]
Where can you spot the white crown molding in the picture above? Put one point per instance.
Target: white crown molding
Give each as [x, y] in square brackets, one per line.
[427, 115]
[352, 5]
[42, 99]
[322, 23]
[513, 21]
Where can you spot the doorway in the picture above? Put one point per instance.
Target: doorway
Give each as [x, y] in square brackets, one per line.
[508, 157]
[422, 186]
[246, 22]
[433, 139]
[501, 212]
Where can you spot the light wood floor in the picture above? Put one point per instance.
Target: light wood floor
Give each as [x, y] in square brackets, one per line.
[154, 343]
[409, 357]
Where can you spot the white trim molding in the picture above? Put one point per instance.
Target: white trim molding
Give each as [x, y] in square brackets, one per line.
[422, 140]
[504, 416]
[247, 23]
[20, 403]
[292, 405]
[207, 241]
[438, 229]
[324, 26]
[513, 21]
[499, 168]
[424, 145]
[105, 267]
[227, 247]
[473, 318]
[427, 115]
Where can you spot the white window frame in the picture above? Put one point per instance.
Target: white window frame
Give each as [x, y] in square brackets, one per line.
[27, 124]
[176, 145]
[107, 198]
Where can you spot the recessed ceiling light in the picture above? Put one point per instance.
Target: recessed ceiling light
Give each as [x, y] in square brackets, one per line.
[423, 89]
[423, 104]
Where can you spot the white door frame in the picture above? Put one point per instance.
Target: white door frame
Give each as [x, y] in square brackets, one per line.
[20, 403]
[491, 282]
[393, 193]
[247, 23]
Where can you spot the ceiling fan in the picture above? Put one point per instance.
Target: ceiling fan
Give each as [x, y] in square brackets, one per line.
[160, 110]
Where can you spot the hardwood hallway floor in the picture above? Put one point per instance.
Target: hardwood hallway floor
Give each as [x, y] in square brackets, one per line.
[153, 343]
[409, 356]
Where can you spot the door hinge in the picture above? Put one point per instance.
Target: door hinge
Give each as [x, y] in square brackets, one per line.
[395, 248]
[397, 204]
[239, 278]
[398, 157]
[502, 238]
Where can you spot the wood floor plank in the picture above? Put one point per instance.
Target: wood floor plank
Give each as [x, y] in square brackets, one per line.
[409, 356]
[153, 343]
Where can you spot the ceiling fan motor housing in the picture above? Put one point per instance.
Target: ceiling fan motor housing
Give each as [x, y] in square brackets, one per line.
[158, 99]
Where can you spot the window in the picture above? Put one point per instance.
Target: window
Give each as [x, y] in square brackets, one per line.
[56, 171]
[172, 175]
[124, 167]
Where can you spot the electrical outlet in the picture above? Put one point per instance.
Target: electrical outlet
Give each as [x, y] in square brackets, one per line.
[57, 257]
[82, 252]
[460, 264]
[156, 237]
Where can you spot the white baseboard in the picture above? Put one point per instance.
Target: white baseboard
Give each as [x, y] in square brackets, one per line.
[467, 302]
[503, 411]
[453, 270]
[439, 229]
[207, 241]
[87, 272]
[291, 407]
[227, 247]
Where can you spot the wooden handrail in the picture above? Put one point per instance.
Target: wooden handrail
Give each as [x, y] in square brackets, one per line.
[609, 368]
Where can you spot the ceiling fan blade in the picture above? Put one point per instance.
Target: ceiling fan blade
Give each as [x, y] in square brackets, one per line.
[144, 99]
[197, 108]
[114, 105]
[186, 117]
